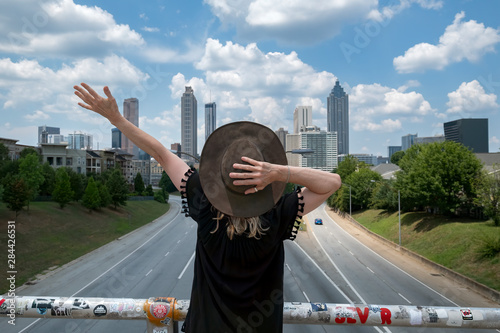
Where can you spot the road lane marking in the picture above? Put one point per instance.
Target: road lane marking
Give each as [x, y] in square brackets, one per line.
[307, 298]
[370, 269]
[361, 299]
[324, 274]
[166, 254]
[378, 255]
[185, 267]
[406, 299]
[97, 278]
[149, 272]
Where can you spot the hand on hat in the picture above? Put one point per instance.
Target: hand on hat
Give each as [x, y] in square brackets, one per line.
[254, 173]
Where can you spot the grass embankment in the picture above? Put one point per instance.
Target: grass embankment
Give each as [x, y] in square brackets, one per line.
[48, 236]
[456, 243]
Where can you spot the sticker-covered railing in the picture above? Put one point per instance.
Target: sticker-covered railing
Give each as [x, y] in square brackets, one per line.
[162, 314]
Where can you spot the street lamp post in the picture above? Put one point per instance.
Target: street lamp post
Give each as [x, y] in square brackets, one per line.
[399, 216]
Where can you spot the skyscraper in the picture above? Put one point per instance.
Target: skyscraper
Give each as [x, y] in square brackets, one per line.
[116, 138]
[79, 140]
[338, 117]
[44, 131]
[302, 117]
[131, 113]
[189, 120]
[281, 133]
[210, 118]
[472, 133]
[407, 141]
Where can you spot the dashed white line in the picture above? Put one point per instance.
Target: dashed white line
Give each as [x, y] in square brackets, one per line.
[288, 267]
[307, 298]
[390, 263]
[149, 272]
[351, 253]
[109, 269]
[370, 269]
[185, 267]
[324, 274]
[178, 241]
[166, 254]
[406, 299]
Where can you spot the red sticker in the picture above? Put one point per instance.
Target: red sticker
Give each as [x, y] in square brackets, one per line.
[160, 311]
[2, 301]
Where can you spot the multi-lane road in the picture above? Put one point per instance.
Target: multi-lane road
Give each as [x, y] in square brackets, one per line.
[325, 264]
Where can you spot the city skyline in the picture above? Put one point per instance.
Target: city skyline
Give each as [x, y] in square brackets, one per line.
[258, 61]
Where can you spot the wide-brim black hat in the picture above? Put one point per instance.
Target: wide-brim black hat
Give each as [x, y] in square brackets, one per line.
[224, 147]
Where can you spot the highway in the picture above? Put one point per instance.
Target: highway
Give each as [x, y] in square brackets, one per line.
[325, 264]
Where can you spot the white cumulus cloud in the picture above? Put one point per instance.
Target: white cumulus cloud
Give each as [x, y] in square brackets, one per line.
[461, 40]
[471, 98]
[61, 28]
[378, 108]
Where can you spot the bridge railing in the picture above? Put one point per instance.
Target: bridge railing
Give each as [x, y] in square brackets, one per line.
[162, 314]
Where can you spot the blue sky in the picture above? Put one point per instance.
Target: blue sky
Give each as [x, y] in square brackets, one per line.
[407, 65]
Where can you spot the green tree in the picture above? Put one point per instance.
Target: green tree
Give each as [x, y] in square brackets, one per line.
[16, 193]
[91, 198]
[489, 194]
[397, 156]
[158, 196]
[49, 179]
[4, 153]
[362, 184]
[340, 199]
[149, 191]
[440, 175]
[29, 151]
[118, 188]
[166, 183]
[62, 194]
[9, 167]
[385, 196]
[30, 171]
[78, 184]
[347, 166]
[104, 195]
[138, 184]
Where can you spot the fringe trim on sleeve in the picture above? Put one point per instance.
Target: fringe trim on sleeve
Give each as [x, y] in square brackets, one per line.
[300, 211]
[184, 180]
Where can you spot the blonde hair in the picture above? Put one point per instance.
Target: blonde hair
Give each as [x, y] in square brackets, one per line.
[252, 226]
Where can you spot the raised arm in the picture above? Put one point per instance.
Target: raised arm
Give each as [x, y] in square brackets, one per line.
[318, 184]
[108, 108]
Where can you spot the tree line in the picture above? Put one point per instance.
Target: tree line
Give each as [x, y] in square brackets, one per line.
[443, 178]
[27, 179]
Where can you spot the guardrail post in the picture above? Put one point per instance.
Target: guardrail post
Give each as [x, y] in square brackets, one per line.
[160, 313]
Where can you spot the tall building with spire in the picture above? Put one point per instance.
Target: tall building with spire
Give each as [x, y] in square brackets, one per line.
[338, 117]
[210, 118]
[131, 113]
[189, 121]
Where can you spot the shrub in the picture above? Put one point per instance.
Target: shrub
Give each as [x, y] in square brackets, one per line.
[489, 248]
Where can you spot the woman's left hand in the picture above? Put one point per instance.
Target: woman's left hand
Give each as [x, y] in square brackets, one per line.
[255, 173]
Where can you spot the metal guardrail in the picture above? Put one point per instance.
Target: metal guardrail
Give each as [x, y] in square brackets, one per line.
[162, 314]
